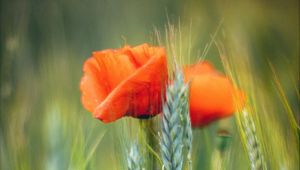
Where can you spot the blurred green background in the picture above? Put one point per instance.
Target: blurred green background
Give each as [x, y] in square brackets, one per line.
[44, 44]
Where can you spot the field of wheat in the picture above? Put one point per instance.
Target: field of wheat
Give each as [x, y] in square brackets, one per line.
[44, 45]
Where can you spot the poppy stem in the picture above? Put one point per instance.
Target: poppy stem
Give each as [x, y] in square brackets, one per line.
[151, 142]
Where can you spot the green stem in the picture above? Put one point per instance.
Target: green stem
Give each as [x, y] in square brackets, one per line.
[149, 136]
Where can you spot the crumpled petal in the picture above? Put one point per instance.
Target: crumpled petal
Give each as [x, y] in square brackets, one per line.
[128, 82]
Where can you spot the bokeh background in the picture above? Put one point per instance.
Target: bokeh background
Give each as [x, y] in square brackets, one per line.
[44, 44]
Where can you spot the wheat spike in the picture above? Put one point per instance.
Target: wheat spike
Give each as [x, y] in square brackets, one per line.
[252, 144]
[134, 159]
[173, 129]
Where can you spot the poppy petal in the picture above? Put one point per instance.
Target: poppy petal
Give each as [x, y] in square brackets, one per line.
[92, 90]
[212, 95]
[114, 66]
[199, 68]
[139, 94]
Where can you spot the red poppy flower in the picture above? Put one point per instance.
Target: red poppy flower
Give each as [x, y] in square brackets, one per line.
[212, 95]
[124, 82]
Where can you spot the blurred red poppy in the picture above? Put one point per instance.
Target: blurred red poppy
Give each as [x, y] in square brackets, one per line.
[124, 82]
[212, 95]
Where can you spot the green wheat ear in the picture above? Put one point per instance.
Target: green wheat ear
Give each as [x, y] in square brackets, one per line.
[253, 145]
[187, 134]
[134, 158]
[176, 128]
